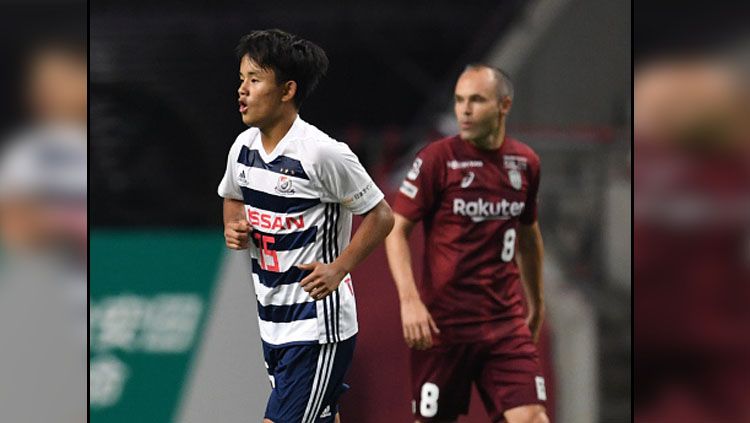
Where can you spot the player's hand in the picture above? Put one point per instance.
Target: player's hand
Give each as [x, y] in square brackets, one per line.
[236, 234]
[535, 319]
[324, 279]
[417, 324]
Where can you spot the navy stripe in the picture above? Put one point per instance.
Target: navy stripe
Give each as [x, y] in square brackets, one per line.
[325, 234]
[338, 308]
[336, 231]
[336, 245]
[282, 165]
[290, 241]
[287, 313]
[325, 311]
[274, 279]
[334, 324]
[276, 203]
[330, 228]
[325, 260]
[329, 234]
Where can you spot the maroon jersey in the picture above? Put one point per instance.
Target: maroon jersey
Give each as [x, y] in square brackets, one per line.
[692, 250]
[471, 202]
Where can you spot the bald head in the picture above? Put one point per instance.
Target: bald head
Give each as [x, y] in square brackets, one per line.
[503, 84]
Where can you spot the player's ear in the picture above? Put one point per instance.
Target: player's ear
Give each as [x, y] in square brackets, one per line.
[505, 104]
[290, 89]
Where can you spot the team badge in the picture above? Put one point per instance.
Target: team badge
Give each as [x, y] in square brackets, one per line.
[284, 185]
[514, 177]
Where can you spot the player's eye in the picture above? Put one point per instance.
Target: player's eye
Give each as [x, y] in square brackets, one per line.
[254, 80]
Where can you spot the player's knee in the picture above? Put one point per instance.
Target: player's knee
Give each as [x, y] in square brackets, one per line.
[267, 421]
[527, 414]
[540, 417]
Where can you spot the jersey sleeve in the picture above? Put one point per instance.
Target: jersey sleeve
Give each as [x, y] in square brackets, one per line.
[420, 191]
[228, 187]
[529, 214]
[344, 180]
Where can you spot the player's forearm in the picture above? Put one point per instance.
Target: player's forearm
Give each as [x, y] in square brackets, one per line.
[531, 256]
[399, 260]
[373, 230]
[234, 210]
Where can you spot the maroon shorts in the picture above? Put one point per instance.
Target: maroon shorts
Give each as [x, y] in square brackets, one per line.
[506, 372]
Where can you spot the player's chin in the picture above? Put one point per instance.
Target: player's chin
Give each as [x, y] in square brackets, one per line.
[248, 120]
[468, 135]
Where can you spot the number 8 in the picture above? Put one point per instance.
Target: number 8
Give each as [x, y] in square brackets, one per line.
[428, 404]
[509, 244]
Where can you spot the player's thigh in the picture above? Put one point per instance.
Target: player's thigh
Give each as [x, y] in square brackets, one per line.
[511, 377]
[307, 382]
[441, 380]
[526, 414]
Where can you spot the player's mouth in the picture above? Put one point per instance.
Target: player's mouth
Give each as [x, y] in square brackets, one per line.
[243, 106]
[466, 125]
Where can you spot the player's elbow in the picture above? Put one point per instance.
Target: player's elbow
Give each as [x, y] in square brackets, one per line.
[382, 217]
[387, 217]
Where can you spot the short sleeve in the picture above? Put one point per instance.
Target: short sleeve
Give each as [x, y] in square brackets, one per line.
[228, 187]
[344, 180]
[420, 190]
[529, 214]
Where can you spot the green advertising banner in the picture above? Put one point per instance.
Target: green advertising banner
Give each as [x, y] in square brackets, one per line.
[150, 294]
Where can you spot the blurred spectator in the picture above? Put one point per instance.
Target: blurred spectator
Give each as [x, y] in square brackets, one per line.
[43, 167]
[43, 244]
[692, 237]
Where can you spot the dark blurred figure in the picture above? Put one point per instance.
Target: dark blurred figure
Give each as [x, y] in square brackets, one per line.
[692, 239]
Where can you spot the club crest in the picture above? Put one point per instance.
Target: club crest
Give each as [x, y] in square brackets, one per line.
[284, 185]
[514, 177]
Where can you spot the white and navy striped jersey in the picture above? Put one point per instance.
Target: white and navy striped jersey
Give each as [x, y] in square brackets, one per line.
[299, 201]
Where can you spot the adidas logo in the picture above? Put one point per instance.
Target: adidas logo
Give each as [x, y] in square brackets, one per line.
[326, 412]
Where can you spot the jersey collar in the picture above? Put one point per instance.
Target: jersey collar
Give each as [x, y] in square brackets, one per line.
[294, 131]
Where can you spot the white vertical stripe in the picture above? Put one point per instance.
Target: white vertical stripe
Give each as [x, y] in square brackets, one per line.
[314, 388]
[316, 408]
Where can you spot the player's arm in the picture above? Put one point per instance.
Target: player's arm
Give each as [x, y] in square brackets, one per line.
[325, 278]
[236, 227]
[415, 319]
[529, 258]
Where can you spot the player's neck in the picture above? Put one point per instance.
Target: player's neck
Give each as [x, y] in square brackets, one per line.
[492, 141]
[271, 135]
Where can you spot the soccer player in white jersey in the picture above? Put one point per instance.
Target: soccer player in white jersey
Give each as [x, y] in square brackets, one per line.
[289, 194]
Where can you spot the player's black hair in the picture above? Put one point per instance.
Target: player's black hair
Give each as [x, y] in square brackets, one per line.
[291, 58]
[505, 89]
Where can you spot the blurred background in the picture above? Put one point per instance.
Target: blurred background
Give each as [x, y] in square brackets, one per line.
[173, 329]
[43, 220]
[692, 212]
